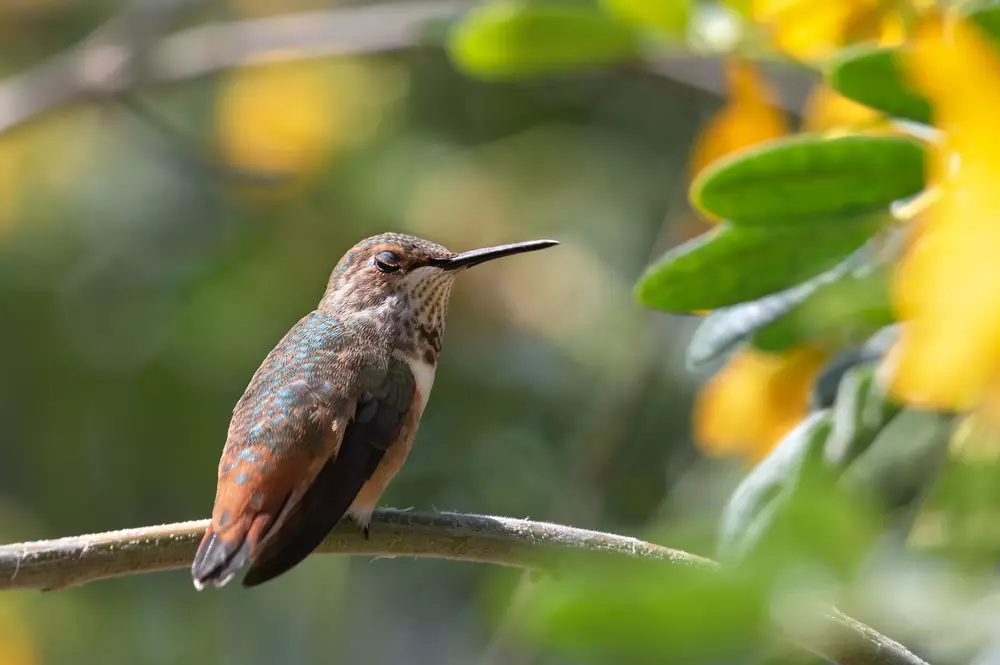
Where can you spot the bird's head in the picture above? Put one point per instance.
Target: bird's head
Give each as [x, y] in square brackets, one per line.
[405, 277]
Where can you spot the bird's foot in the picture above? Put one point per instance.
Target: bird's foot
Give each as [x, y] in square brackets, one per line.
[363, 522]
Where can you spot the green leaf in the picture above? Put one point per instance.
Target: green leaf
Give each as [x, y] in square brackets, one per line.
[731, 264]
[989, 20]
[725, 328]
[728, 327]
[840, 313]
[788, 513]
[669, 17]
[874, 77]
[756, 502]
[810, 181]
[860, 411]
[510, 39]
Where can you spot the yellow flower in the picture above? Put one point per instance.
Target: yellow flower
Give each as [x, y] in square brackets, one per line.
[811, 30]
[947, 287]
[288, 118]
[755, 400]
[808, 29]
[826, 110]
[278, 118]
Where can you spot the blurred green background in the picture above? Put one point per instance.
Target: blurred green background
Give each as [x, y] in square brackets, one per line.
[154, 249]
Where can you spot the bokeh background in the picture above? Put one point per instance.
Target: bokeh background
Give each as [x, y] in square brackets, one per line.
[164, 220]
[153, 250]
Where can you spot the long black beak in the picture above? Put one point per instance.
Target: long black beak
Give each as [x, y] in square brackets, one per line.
[477, 256]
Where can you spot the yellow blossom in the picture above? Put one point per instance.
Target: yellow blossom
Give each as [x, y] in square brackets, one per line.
[826, 110]
[811, 30]
[288, 117]
[278, 118]
[947, 288]
[755, 400]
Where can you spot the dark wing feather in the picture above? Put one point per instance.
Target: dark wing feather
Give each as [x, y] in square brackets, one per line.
[377, 423]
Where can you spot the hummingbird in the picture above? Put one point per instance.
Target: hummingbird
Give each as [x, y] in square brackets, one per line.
[330, 415]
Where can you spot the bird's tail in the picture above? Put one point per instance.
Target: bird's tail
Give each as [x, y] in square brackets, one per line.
[218, 558]
[228, 545]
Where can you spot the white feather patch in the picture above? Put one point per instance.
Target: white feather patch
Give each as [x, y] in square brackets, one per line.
[423, 374]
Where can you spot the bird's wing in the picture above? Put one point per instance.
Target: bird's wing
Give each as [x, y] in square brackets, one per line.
[288, 424]
[376, 424]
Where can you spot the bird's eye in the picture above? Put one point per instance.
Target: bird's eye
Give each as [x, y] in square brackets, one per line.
[387, 261]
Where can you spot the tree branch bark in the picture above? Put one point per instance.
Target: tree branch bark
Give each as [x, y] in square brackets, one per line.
[77, 560]
[73, 561]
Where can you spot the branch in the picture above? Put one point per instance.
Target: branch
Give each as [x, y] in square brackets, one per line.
[850, 642]
[55, 564]
[107, 62]
[110, 61]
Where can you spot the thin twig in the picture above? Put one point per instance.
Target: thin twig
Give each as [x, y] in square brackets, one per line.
[106, 63]
[54, 564]
[103, 66]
